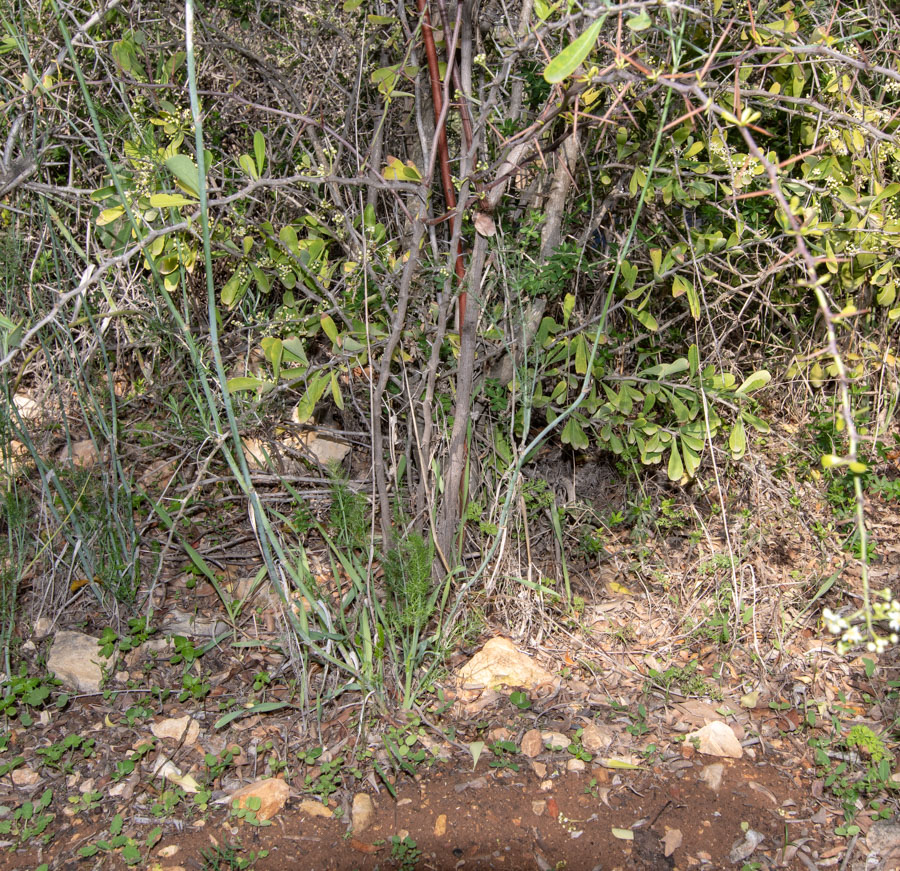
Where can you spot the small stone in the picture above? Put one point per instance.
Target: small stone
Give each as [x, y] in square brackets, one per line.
[539, 768]
[178, 728]
[546, 785]
[711, 775]
[75, 659]
[84, 454]
[363, 812]
[500, 733]
[883, 837]
[122, 789]
[42, 627]
[538, 806]
[532, 743]
[600, 774]
[440, 826]
[717, 739]
[555, 740]
[272, 794]
[500, 664]
[25, 776]
[313, 808]
[575, 765]
[595, 738]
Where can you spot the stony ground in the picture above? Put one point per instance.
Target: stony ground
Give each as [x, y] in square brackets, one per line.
[647, 726]
[570, 778]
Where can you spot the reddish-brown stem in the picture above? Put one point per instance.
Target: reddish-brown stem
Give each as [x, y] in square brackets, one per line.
[437, 100]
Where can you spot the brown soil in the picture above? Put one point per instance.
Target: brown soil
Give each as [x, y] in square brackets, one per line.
[502, 819]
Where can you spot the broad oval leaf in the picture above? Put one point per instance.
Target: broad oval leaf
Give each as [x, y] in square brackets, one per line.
[756, 381]
[569, 59]
[170, 201]
[249, 167]
[737, 441]
[574, 435]
[186, 173]
[676, 467]
[236, 385]
[107, 216]
[259, 150]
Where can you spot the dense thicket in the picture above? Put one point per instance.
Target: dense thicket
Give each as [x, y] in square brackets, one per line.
[446, 234]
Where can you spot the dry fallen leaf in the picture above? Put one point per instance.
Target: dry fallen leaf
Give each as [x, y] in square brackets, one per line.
[362, 847]
[484, 224]
[171, 772]
[672, 841]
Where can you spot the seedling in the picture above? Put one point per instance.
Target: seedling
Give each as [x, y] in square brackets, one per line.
[520, 700]
[125, 767]
[226, 857]
[405, 853]
[502, 751]
[30, 820]
[22, 693]
[248, 813]
[60, 755]
[128, 849]
[576, 748]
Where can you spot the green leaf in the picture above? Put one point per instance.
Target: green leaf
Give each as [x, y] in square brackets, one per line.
[288, 237]
[694, 359]
[249, 167]
[646, 319]
[331, 330]
[737, 441]
[107, 216]
[336, 391]
[639, 22]
[676, 467]
[307, 405]
[232, 290]
[236, 385]
[273, 348]
[262, 708]
[890, 191]
[259, 150]
[186, 173]
[569, 59]
[581, 355]
[757, 423]
[691, 458]
[170, 201]
[476, 748]
[756, 381]
[568, 307]
[574, 435]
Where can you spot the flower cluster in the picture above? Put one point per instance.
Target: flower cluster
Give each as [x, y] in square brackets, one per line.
[885, 609]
